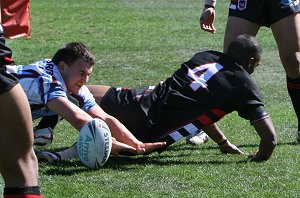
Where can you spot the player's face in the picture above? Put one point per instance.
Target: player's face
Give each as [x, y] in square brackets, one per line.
[76, 75]
[252, 65]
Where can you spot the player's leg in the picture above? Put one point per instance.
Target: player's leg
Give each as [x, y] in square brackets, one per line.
[43, 132]
[98, 91]
[236, 26]
[18, 165]
[287, 35]
[197, 138]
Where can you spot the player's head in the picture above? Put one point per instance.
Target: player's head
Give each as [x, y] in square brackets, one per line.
[75, 62]
[73, 51]
[247, 50]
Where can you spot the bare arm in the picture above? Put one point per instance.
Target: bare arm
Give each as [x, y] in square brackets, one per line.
[72, 113]
[122, 134]
[77, 118]
[124, 140]
[215, 133]
[118, 130]
[268, 139]
[208, 16]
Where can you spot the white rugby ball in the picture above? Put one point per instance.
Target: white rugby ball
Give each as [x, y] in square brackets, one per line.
[94, 143]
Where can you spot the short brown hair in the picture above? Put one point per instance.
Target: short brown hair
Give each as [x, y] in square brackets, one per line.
[73, 51]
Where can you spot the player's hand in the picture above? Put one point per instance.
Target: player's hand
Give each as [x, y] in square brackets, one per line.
[230, 148]
[149, 147]
[119, 147]
[257, 157]
[141, 148]
[207, 19]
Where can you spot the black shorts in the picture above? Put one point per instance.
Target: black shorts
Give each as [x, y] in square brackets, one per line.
[122, 104]
[7, 81]
[263, 12]
[126, 106]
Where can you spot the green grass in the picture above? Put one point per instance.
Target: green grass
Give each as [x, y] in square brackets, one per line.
[141, 42]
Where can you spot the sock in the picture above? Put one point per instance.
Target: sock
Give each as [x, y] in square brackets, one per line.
[25, 192]
[48, 121]
[293, 86]
[69, 153]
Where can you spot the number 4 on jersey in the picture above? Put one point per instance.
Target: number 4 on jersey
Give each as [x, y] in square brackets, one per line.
[201, 74]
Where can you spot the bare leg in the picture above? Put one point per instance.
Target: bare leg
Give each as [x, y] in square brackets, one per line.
[287, 35]
[19, 166]
[98, 91]
[237, 26]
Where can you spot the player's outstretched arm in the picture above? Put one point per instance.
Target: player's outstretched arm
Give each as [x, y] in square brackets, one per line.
[125, 141]
[67, 110]
[208, 16]
[144, 148]
[268, 140]
[122, 134]
[215, 133]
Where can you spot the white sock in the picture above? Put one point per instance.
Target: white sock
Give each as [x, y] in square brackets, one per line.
[69, 153]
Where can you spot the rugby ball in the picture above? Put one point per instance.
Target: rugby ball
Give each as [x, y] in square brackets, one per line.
[94, 143]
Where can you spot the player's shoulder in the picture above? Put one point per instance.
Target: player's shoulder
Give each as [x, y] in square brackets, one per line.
[39, 63]
[204, 57]
[83, 94]
[84, 99]
[84, 91]
[208, 54]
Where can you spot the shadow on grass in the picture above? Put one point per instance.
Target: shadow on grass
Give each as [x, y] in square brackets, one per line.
[125, 164]
[215, 147]
[131, 163]
[167, 158]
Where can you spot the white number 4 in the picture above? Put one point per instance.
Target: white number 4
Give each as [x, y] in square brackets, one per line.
[202, 74]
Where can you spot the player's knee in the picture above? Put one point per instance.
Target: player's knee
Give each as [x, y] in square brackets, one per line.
[291, 64]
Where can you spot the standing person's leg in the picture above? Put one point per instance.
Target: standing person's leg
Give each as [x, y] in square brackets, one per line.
[236, 26]
[19, 166]
[287, 35]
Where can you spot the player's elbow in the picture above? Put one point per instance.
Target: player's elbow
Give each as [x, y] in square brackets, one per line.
[273, 139]
[270, 140]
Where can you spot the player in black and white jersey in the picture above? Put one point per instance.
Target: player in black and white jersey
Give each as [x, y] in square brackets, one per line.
[207, 87]
[282, 17]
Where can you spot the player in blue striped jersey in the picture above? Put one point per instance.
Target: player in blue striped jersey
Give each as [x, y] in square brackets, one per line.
[51, 85]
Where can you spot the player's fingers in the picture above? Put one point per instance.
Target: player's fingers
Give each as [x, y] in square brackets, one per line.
[118, 147]
[153, 146]
[208, 28]
[213, 29]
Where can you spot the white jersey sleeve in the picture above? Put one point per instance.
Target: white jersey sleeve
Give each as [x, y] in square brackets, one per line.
[84, 99]
[41, 82]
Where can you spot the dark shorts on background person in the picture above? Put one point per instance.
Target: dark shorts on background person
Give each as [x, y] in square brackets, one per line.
[122, 104]
[263, 12]
[7, 81]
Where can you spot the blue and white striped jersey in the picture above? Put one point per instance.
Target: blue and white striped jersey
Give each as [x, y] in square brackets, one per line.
[43, 82]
